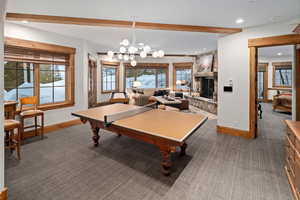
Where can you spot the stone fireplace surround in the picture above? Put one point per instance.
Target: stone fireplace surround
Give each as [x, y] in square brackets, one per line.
[195, 99]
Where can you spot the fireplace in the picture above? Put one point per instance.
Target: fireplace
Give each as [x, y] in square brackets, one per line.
[207, 87]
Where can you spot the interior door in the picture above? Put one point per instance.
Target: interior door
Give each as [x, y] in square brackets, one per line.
[92, 99]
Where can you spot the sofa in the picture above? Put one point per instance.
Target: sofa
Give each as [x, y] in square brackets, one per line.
[282, 102]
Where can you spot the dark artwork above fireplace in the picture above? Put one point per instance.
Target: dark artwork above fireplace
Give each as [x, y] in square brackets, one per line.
[207, 87]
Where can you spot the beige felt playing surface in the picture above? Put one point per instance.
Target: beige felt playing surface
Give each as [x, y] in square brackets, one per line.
[167, 124]
[99, 112]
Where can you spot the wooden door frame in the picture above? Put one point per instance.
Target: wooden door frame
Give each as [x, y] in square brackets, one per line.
[254, 44]
[92, 68]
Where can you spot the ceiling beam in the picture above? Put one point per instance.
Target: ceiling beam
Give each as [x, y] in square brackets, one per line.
[166, 55]
[117, 23]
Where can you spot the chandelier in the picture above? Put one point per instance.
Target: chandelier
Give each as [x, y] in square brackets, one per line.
[128, 51]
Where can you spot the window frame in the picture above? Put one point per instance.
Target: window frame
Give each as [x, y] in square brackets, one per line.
[52, 49]
[281, 65]
[147, 66]
[180, 66]
[114, 65]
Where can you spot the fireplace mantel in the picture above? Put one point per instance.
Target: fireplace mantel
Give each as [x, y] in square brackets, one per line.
[205, 74]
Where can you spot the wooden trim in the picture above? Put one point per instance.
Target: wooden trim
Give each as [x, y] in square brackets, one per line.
[253, 93]
[147, 65]
[297, 84]
[233, 131]
[254, 44]
[282, 64]
[166, 55]
[114, 66]
[38, 45]
[110, 63]
[275, 65]
[54, 127]
[117, 23]
[70, 69]
[4, 194]
[182, 65]
[290, 39]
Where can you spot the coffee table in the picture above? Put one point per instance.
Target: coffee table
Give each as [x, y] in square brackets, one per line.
[182, 104]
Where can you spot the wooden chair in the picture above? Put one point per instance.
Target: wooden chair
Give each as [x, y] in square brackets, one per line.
[33, 113]
[12, 140]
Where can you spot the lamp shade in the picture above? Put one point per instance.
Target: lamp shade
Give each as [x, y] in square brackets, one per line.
[178, 82]
[137, 84]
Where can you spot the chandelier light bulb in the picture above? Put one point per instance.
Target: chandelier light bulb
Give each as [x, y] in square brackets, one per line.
[110, 54]
[155, 54]
[122, 49]
[143, 54]
[147, 48]
[131, 57]
[125, 42]
[161, 53]
[132, 50]
[133, 63]
[120, 56]
[126, 57]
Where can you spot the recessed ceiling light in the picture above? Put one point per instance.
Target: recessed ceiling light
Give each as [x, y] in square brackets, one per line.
[252, 1]
[239, 20]
[279, 54]
[25, 21]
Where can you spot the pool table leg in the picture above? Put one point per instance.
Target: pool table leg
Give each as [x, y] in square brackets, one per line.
[96, 136]
[166, 160]
[182, 149]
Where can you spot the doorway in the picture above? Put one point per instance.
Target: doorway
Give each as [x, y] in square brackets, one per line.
[92, 86]
[274, 86]
[253, 45]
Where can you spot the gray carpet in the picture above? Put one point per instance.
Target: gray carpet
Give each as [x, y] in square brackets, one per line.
[66, 166]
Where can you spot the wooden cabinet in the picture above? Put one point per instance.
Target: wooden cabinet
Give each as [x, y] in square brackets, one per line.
[292, 158]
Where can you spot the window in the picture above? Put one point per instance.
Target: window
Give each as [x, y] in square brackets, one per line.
[151, 75]
[262, 81]
[109, 77]
[282, 74]
[46, 72]
[182, 72]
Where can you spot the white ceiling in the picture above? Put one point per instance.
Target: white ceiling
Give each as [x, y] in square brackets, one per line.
[192, 12]
[272, 52]
[107, 38]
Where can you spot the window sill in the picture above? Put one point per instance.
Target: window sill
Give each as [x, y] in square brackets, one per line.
[45, 107]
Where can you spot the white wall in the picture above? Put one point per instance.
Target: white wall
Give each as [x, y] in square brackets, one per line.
[233, 108]
[170, 60]
[2, 14]
[81, 66]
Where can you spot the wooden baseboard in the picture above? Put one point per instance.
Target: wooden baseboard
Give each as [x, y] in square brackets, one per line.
[233, 131]
[4, 194]
[54, 127]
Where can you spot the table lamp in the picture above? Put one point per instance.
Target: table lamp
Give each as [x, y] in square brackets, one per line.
[178, 82]
[136, 84]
